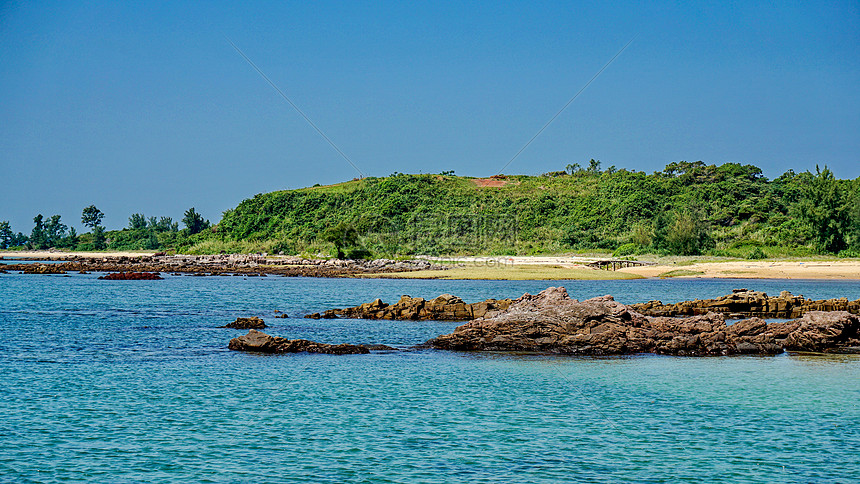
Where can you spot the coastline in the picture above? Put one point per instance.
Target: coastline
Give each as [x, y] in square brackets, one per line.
[762, 269]
[558, 267]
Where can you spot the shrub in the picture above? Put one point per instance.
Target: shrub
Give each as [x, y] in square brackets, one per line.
[626, 249]
[756, 254]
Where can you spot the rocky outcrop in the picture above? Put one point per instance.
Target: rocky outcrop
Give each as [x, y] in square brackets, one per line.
[260, 342]
[41, 269]
[743, 303]
[443, 308]
[246, 323]
[131, 276]
[552, 322]
[234, 264]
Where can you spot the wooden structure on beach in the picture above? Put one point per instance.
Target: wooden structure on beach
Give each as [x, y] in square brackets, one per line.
[615, 264]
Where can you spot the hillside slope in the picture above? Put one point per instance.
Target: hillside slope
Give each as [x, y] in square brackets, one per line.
[686, 208]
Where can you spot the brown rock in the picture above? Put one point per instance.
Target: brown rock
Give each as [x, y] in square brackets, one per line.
[746, 303]
[246, 323]
[825, 332]
[442, 308]
[257, 341]
[553, 322]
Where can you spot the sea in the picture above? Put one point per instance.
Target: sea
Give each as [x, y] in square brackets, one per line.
[132, 381]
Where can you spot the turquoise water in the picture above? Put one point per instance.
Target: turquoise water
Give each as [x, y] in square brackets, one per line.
[131, 381]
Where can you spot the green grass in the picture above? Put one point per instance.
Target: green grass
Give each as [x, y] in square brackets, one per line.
[679, 273]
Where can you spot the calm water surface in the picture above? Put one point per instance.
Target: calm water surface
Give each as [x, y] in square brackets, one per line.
[132, 381]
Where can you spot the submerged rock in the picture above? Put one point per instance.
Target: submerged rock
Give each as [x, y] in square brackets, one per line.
[263, 343]
[246, 323]
[131, 276]
[552, 322]
[442, 308]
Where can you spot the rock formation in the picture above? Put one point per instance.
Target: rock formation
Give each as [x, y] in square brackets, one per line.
[443, 308]
[246, 323]
[227, 264]
[552, 322]
[41, 269]
[257, 341]
[745, 303]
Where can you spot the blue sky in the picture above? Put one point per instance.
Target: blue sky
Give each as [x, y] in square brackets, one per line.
[145, 107]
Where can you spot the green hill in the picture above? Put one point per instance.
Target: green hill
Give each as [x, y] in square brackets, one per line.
[687, 208]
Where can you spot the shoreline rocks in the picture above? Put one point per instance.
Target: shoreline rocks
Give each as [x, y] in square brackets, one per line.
[256, 341]
[745, 303]
[442, 308]
[552, 322]
[39, 269]
[228, 264]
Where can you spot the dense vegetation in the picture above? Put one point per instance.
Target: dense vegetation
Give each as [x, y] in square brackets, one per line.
[142, 233]
[687, 209]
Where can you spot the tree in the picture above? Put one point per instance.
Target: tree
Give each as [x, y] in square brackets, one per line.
[682, 232]
[99, 240]
[20, 240]
[54, 231]
[852, 205]
[573, 168]
[92, 217]
[38, 240]
[72, 239]
[342, 235]
[824, 211]
[152, 242]
[137, 221]
[6, 235]
[166, 224]
[194, 222]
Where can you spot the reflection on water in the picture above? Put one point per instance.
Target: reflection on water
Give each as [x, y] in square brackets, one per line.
[826, 358]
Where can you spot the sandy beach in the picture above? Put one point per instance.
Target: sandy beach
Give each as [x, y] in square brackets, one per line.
[764, 269]
[571, 267]
[777, 269]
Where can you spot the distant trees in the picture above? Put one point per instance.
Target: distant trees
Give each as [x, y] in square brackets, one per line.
[682, 232]
[99, 238]
[6, 235]
[92, 216]
[137, 221]
[8, 238]
[825, 210]
[37, 235]
[343, 235]
[55, 231]
[194, 222]
[72, 239]
[164, 224]
[593, 168]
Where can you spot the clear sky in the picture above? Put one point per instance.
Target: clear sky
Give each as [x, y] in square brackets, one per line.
[145, 106]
